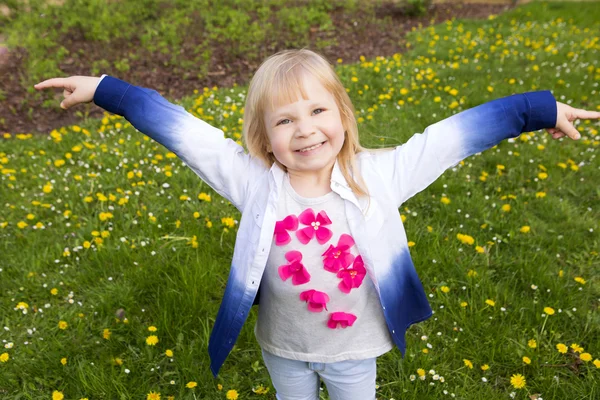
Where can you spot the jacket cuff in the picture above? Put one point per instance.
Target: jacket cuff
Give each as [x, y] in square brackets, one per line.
[542, 110]
[110, 93]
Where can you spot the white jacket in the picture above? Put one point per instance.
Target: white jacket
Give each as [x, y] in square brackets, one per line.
[392, 178]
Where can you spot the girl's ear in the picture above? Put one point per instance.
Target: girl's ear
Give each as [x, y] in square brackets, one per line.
[269, 148]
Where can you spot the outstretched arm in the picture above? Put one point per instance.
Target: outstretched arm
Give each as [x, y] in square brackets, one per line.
[413, 166]
[219, 161]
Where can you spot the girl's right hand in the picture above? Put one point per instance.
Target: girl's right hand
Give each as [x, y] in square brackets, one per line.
[76, 89]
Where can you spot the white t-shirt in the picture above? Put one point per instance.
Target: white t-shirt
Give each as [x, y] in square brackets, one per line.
[317, 303]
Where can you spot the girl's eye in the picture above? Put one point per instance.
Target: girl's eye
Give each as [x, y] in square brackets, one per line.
[280, 122]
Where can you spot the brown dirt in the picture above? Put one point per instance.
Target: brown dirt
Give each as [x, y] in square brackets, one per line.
[383, 36]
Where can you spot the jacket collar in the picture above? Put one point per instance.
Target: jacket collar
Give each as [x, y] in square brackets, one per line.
[338, 182]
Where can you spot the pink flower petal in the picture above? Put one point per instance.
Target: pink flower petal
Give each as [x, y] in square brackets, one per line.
[290, 223]
[314, 307]
[293, 256]
[346, 260]
[323, 235]
[307, 216]
[341, 318]
[284, 272]
[317, 301]
[306, 295]
[322, 218]
[346, 241]
[301, 277]
[282, 238]
[305, 234]
[343, 286]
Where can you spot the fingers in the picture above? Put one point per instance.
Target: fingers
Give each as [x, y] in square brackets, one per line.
[54, 82]
[69, 101]
[585, 114]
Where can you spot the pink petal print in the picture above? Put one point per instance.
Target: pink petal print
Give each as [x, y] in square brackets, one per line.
[323, 235]
[315, 226]
[352, 277]
[301, 277]
[322, 218]
[342, 319]
[294, 269]
[293, 256]
[339, 257]
[305, 234]
[307, 216]
[289, 223]
[346, 241]
[344, 286]
[316, 301]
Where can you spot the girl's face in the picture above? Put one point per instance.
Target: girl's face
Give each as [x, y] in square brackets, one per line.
[306, 136]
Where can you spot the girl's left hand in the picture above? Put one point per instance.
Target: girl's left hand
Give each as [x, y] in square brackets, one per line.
[566, 114]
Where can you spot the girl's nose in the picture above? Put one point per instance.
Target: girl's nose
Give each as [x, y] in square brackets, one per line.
[305, 128]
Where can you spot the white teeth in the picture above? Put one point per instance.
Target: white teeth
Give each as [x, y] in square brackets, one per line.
[310, 148]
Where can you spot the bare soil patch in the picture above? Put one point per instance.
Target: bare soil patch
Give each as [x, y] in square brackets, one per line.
[356, 36]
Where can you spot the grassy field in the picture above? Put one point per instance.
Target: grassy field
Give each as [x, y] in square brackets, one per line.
[115, 255]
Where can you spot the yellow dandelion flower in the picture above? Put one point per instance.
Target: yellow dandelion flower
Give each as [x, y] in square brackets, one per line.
[118, 361]
[464, 304]
[232, 394]
[54, 291]
[543, 175]
[106, 334]
[191, 385]
[532, 343]
[260, 390]
[586, 357]
[153, 396]
[576, 348]
[219, 386]
[4, 357]
[485, 367]
[445, 200]
[152, 328]
[549, 310]
[22, 305]
[62, 325]
[151, 340]
[56, 395]
[579, 279]
[562, 348]
[63, 361]
[204, 196]
[411, 244]
[525, 229]
[597, 363]
[518, 381]
[169, 353]
[490, 302]
[465, 239]
[506, 207]
[445, 289]
[421, 372]
[468, 363]
[479, 249]
[540, 195]
[527, 360]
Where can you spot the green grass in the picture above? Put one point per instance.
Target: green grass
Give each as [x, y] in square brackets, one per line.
[166, 282]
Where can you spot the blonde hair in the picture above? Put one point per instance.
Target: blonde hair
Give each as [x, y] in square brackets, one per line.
[278, 81]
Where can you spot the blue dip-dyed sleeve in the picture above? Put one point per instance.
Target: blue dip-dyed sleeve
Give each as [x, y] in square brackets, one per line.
[413, 166]
[219, 161]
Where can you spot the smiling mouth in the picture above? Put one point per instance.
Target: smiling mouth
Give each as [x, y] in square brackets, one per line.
[315, 146]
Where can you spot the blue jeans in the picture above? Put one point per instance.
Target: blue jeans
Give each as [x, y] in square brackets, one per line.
[299, 380]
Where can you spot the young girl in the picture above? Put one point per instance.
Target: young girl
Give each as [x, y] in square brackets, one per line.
[320, 232]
